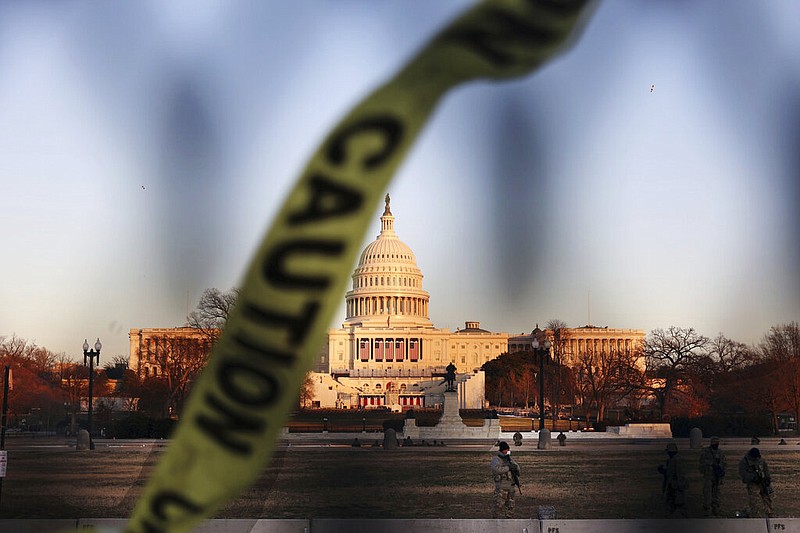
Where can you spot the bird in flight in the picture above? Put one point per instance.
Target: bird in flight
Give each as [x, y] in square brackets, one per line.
[652, 87]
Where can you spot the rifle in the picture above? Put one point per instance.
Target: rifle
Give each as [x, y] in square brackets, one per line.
[514, 472]
[719, 472]
[761, 479]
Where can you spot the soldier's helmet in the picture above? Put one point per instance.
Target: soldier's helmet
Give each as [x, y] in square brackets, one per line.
[671, 447]
[715, 440]
[504, 446]
[754, 453]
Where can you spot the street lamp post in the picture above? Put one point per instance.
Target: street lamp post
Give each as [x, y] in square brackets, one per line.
[540, 349]
[91, 354]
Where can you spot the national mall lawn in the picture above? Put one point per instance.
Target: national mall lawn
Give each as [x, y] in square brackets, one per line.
[48, 478]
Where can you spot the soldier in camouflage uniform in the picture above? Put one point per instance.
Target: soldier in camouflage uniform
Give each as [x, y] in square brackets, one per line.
[712, 467]
[504, 470]
[674, 485]
[755, 475]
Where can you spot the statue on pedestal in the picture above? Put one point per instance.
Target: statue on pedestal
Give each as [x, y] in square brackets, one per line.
[450, 377]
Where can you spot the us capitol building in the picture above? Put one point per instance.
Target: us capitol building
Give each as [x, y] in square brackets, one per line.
[387, 352]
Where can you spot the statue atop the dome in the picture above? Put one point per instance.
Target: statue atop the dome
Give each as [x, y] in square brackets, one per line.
[387, 211]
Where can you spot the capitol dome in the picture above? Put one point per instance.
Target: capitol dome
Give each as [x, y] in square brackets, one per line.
[387, 283]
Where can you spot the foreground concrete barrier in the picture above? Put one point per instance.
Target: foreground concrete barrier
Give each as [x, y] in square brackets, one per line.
[254, 526]
[239, 525]
[780, 525]
[739, 525]
[332, 525]
[335, 525]
[13, 525]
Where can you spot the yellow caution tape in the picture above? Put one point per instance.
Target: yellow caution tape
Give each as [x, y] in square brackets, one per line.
[294, 284]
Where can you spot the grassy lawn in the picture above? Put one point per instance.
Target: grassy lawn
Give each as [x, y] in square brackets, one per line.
[582, 480]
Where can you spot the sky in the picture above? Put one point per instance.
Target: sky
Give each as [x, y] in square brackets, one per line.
[645, 178]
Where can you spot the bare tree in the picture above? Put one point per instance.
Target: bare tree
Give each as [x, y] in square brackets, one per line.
[16, 347]
[729, 354]
[38, 385]
[306, 391]
[179, 361]
[116, 360]
[756, 388]
[607, 377]
[74, 380]
[699, 388]
[781, 347]
[559, 331]
[669, 355]
[560, 356]
[708, 380]
[42, 361]
[38, 359]
[212, 312]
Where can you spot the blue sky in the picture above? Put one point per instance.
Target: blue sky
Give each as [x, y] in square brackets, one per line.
[145, 148]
